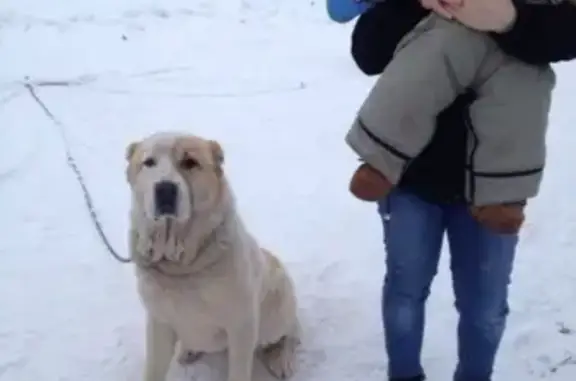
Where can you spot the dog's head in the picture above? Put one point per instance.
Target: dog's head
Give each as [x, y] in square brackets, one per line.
[175, 177]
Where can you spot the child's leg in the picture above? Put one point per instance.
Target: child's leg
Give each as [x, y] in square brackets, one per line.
[435, 63]
[508, 141]
[509, 121]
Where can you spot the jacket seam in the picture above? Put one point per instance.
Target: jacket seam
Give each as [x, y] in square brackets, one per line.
[388, 147]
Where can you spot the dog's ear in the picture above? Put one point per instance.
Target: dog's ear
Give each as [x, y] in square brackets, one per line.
[217, 155]
[130, 150]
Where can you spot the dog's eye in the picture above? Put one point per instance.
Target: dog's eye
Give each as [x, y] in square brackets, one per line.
[150, 162]
[188, 163]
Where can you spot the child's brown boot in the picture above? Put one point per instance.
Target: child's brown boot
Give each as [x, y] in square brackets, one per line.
[501, 218]
[368, 184]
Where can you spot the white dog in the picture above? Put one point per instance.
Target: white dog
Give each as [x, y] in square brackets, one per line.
[204, 280]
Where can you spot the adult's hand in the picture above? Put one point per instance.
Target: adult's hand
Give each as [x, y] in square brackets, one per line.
[483, 15]
[439, 6]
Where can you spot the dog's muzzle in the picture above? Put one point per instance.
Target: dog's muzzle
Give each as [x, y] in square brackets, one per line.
[166, 198]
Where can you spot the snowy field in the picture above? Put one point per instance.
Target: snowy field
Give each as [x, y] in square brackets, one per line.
[272, 80]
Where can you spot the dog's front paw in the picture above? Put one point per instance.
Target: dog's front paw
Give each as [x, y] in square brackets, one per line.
[189, 357]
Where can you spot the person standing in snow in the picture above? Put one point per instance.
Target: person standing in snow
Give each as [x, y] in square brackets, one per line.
[430, 197]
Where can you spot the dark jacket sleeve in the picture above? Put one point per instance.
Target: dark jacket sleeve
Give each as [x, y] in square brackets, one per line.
[379, 30]
[544, 32]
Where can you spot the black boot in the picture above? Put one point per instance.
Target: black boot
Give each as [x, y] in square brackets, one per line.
[417, 378]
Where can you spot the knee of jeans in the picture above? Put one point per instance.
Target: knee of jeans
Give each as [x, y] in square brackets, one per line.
[406, 286]
[486, 316]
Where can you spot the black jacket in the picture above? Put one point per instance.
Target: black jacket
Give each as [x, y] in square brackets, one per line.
[543, 33]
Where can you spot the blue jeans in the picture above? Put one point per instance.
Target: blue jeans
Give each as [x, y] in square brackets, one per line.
[481, 264]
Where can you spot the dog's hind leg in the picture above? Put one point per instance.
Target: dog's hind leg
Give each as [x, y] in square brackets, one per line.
[279, 357]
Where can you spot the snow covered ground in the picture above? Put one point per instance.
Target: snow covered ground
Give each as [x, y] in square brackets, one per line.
[273, 81]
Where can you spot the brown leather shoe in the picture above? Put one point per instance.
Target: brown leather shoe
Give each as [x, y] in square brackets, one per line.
[501, 218]
[368, 184]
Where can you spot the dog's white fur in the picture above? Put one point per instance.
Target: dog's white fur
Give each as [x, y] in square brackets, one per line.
[203, 279]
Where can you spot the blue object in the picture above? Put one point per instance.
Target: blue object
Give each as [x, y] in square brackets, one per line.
[343, 11]
[481, 263]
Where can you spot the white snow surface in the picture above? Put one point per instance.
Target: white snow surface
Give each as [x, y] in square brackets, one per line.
[274, 83]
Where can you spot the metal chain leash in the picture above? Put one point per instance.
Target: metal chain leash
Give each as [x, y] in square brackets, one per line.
[71, 161]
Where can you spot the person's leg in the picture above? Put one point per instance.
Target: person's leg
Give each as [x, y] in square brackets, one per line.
[413, 232]
[481, 263]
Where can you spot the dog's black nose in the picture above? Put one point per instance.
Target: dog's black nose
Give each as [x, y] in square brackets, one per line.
[165, 198]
